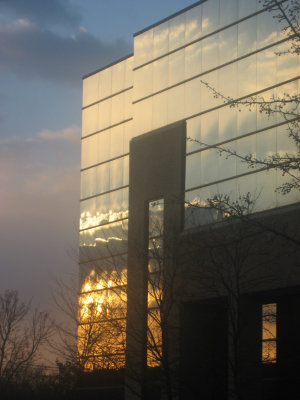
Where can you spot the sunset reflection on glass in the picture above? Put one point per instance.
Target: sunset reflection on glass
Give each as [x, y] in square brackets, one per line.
[269, 333]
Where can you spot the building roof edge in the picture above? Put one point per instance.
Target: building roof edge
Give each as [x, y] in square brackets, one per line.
[107, 66]
[169, 17]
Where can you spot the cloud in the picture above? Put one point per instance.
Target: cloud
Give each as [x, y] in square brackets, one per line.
[29, 51]
[54, 12]
[70, 134]
[39, 191]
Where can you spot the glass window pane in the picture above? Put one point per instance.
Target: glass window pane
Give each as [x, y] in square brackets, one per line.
[176, 67]
[118, 207]
[287, 63]
[102, 178]
[192, 90]
[160, 109]
[264, 119]
[90, 120]
[247, 36]
[228, 82]
[105, 114]
[227, 123]
[210, 16]
[90, 90]
[117, 108]
[88, 213]
[118, 77]
[89, 151]
[116, 173]
[246, 7]
[246, 120]
[193, 170]
[210, 52]
[266, 68]
[228, 188]
[105, 83]
[117, 141]
[160, 74]
[247, 76]
[108, 239]
[88, 183]
[156, 217]
[247, 184]
[175, 103]
[210, 83]
[143, 81]
[176, 32]
[193, 60]
[245, 147]
[269, 332]
[112, 268]
[266, 185]
[143, 47]
[266, 29]
[193, 134]
[269, 351]
[269, 317]
[210, 128]
[228, 45]
[103, 146]
[228, 12]
[193, 23]
[142, 116]
[128, 135]
[196, 209]
[161, 39]
[103, 209]
[227, 164]
[209, 166]
[128, 72]
[128, 112]
[266, 144]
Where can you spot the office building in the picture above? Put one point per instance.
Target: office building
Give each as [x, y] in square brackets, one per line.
[164, 131]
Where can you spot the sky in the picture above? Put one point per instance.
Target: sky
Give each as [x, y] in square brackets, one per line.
[46, 46]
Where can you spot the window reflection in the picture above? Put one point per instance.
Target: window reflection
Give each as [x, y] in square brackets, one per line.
[155, 281]
[269, 333]
[106, 239]
[103, 209]
[193, 22]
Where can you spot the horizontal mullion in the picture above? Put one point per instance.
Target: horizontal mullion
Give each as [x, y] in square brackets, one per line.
[107, 128]
[107, 97]
[92, 260]
[104, 162]
[201, 38]
[103, 193]
[213, 69]
[226, 179]
[106, 223]
[217, 145]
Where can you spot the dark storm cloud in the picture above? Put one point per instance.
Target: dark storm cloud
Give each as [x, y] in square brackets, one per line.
[55, 12]
[28, 51]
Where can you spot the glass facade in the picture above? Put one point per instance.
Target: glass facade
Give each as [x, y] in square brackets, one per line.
[106, 132]
[155, 282]
[186, 68]
[191, 66]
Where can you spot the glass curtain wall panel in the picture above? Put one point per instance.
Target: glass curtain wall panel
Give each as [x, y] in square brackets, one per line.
[155, 282]
[107, 112]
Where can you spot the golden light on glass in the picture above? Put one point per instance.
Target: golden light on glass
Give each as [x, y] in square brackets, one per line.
[269, 333]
